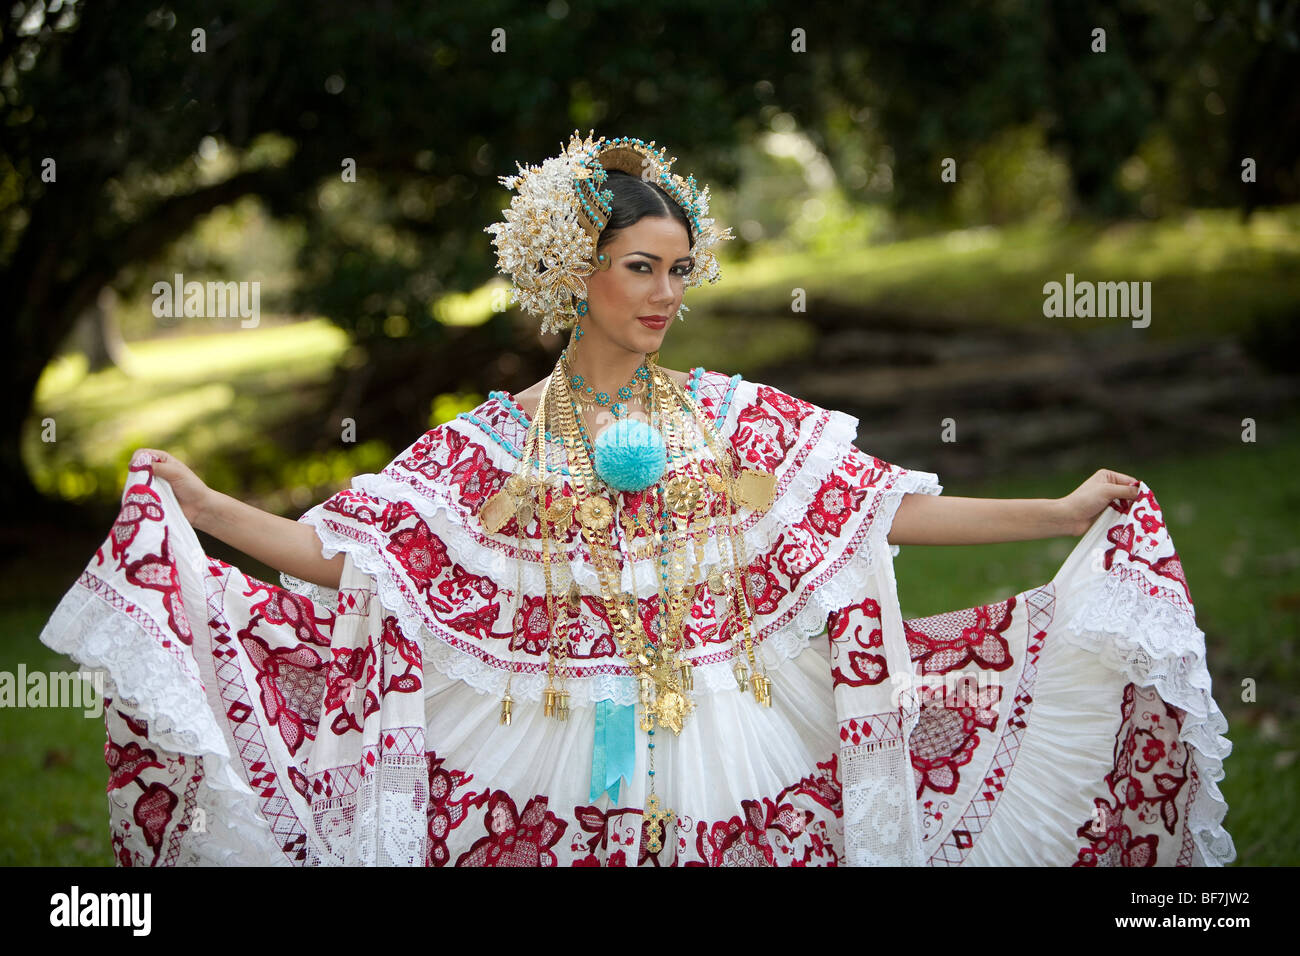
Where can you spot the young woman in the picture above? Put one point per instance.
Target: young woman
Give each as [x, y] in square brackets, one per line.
[636, 615]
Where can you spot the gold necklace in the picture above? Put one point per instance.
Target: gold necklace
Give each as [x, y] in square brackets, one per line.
[662, 670]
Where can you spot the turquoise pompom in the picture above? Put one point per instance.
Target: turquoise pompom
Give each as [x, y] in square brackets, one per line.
[630, 455]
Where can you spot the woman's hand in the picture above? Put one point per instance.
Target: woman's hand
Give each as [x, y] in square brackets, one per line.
[1079, 509]
[191, 493]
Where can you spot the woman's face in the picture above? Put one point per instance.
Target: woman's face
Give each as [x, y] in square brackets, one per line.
[651, 259]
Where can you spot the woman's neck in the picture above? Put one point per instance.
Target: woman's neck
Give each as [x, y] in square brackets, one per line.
[603, 366]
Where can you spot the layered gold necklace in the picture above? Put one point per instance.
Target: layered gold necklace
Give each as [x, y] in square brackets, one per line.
[679, 522]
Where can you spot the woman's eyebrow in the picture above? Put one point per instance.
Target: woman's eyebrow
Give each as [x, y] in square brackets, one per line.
[651, 255]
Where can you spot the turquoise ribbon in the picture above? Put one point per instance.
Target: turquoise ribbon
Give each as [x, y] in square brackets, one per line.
[614, 753]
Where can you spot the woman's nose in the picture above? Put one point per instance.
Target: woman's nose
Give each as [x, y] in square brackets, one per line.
[664, 290]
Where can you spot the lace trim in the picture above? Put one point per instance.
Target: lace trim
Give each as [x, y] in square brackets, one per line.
[1154, 643]
[879, 829]
[318, 594]
[145, 680]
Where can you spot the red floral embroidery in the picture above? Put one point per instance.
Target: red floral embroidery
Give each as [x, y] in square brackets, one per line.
[152, 812]
[127, 762]
[420, 552]
[606, 827]
[472, 475]
[763, 438]
[406, 652]
[140, 503]
[157, 572]
[351, 668]
[747, 839]
[853, 632]
[291, 681]
[834, 502]
[286, 607]
[763, 587]
[516, 839]
[532, 626]
[797, 551]
[947, 732]
[446, 812]
[980, 640]
[1146, 786]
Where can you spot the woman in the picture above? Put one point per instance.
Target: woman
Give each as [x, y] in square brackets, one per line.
[584, 624]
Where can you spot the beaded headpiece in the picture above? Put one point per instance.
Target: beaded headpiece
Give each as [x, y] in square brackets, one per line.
[547, 243]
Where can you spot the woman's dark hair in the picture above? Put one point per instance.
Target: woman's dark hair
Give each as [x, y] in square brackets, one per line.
[634, 200]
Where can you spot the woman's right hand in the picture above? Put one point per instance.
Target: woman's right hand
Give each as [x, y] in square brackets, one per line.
[191, 493]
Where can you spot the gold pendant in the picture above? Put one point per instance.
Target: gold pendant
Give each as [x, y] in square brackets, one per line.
[625, 615]
[560, 514]
[497, 511]
[742, 675]
[507, 703]
[717, 581]
[670, 708]
[574, 598]
[655, 817]
[688, 679]
[716, 482]
[595, 513]
[548, 709]
[755, 489]
[629, 526]
[524, 512]
[683, 493]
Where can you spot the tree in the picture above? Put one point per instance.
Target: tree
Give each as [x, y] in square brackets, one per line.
[105, 105]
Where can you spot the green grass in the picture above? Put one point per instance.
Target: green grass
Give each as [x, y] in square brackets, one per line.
[52, 788]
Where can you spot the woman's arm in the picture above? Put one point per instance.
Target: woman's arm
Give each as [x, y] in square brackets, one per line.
[943, 519]
[284, 544]
[931, 519]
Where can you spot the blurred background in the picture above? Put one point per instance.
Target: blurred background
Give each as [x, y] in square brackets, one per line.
[903, 180]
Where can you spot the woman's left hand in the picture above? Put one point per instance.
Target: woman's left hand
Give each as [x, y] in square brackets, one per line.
[1079, 509]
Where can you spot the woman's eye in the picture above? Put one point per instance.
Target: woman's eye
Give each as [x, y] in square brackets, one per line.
[683, 270]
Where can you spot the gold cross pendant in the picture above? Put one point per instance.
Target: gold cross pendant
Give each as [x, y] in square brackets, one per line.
[655, 816]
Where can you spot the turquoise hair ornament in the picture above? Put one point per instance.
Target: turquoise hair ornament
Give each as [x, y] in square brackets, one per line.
[630, 455]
